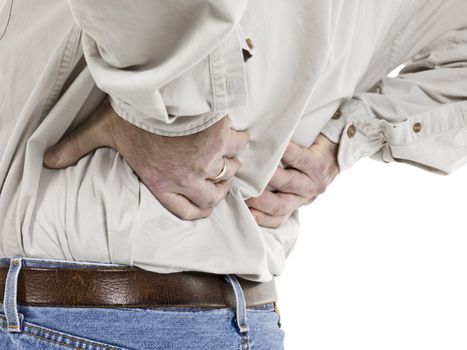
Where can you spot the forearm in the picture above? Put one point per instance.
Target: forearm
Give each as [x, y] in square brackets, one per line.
[419, 117]
[170, 75]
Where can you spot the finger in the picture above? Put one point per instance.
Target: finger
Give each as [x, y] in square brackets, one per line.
[292, 181]
[76, 145]
[182, 207]
[232, 166]
[206, 194]
[297, 157]
[275, 203]
[237, 142]
[266, 220]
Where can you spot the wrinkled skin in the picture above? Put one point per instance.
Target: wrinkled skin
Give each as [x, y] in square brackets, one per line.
[177, 170]
[308, 173]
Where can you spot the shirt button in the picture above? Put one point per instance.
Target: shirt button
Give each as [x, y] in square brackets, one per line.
[337, 114]
[351, 131]
[417, 127]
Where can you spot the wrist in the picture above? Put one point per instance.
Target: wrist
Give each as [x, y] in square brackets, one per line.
[323, 140]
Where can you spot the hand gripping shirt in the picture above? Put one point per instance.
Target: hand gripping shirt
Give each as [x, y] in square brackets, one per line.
[176, 67]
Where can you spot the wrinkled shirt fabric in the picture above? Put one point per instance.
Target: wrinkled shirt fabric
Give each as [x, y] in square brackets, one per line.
[175, 68]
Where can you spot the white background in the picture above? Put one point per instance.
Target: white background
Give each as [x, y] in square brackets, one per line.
[381, 263]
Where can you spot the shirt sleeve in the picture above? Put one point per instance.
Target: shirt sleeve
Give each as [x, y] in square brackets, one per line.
[171, 67]
[418, 117]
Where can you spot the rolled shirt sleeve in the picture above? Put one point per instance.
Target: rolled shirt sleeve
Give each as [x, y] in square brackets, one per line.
[418, 117]
[170, 67]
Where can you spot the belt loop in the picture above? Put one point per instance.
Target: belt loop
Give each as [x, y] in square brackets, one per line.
[240, 303]
[10, 307]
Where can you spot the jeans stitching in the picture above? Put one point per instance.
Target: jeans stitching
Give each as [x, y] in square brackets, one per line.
[245, 341]
[29, 329]
[9, 302]
[241, 311]
[55, 342]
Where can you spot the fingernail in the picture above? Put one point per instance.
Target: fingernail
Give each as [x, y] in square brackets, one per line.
[52, 156]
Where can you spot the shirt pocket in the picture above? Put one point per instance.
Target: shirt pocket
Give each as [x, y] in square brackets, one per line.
[5, 14]
[217, 84]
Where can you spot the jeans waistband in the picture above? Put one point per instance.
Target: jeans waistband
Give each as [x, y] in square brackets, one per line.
[55, 263]
[15, 264]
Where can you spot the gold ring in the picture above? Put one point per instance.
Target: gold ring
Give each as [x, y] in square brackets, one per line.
[222, 173]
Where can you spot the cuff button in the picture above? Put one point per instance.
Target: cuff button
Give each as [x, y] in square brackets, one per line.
[351, 131]
[417, 127]
[337, 114]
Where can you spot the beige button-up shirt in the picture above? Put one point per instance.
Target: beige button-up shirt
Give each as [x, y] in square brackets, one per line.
[176, 67]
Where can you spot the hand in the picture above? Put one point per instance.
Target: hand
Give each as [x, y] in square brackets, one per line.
[309, 171]
[175, 169]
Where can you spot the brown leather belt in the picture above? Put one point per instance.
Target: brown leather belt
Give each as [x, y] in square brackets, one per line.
[131, 287]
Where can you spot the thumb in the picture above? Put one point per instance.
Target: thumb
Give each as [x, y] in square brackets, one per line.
[75, 146]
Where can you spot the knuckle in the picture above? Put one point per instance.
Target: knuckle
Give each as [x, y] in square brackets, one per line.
[309, 192]
[315, 189]
[302, 160]
[288, 182]
[288, 208]
[294, 158]
[200, 165]
[279, 210]
[322, 166]
[288, 154]
[183, 180]
[73, 144]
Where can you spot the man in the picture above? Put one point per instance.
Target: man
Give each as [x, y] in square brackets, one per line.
[196, 130]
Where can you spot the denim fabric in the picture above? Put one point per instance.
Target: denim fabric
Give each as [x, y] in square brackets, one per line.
[33, 327]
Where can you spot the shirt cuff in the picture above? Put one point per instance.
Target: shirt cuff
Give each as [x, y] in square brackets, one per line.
[434, 140]
[358, 133]
[225, 74]
[176, 126]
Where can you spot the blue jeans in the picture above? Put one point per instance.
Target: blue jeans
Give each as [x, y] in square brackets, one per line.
[39, 327]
